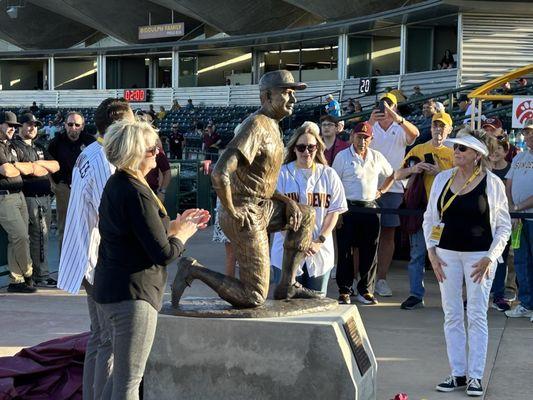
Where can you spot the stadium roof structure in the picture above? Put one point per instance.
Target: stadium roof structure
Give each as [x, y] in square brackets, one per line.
[64, 24]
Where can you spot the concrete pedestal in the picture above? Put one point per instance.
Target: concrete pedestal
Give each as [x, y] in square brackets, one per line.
[325, 355]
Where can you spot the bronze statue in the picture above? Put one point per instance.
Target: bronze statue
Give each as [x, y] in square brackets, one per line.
[245, 179]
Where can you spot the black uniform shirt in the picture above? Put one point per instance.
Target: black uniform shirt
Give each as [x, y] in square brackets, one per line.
[65, 151]
[9, 155]
[33, 185]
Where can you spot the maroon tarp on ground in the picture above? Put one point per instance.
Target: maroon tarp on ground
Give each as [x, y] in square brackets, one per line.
[49, 371]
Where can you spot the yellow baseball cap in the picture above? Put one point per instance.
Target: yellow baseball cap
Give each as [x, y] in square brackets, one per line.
[442, 117]
[391, 97]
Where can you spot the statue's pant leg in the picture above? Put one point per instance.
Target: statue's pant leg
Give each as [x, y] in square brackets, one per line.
[252, 252]
[296, 242]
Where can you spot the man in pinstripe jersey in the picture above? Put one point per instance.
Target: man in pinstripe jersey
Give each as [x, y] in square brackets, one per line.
[81, 240]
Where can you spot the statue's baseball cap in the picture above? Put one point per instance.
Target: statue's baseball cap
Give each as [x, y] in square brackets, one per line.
[280, 79]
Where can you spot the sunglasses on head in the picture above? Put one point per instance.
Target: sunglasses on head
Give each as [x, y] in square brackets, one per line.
[152, 150]
[302, 147]
[71, 124]
[461, 147]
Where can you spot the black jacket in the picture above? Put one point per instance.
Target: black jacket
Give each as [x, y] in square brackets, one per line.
[134, 248]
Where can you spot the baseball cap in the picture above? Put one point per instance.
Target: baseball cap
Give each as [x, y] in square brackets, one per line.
[462, 97]
[492, 122]
[280, 79]
[30, 118]
[363, 128]
[442, 117]
[528, 124]
[9, 118]
[391, 97]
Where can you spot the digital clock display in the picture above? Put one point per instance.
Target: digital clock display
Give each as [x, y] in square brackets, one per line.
[135, 95]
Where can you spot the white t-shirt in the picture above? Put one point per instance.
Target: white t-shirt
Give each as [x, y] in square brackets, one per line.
[391, 143]
[521, 173]
[322, 189]
[81, 239]
[360, 176]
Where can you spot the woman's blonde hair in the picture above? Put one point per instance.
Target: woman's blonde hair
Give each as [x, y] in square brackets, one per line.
[482, 136]
[312, 129]
[126, 142]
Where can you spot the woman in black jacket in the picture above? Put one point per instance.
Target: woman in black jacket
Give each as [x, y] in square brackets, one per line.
[137, 242]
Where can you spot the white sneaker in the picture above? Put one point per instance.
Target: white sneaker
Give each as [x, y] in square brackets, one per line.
[519, 311]
[383, 288]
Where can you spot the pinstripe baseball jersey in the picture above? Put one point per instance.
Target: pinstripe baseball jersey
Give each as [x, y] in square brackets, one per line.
[81, 238]
[323, 191]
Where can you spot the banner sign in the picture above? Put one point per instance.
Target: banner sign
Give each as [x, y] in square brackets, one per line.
[522, 110]
[161, 31]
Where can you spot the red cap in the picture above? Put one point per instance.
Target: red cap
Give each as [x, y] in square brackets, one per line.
[492, 122]
[363, 128]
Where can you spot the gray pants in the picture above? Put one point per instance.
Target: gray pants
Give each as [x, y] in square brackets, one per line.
[40, 215]
[98, 363]
[14, 219]
[133, 325]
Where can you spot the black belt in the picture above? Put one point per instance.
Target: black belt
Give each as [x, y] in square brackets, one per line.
[5, 192]
[362, 203]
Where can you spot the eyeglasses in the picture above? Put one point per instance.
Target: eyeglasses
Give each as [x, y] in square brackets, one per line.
[461, 147]
[302, 147]
[152, 150]
[326, 124]
[71, 124]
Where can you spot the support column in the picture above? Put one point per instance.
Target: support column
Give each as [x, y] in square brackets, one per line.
[51, 73]
[342, 57]
[258, 65]
[175, 69]
[403, 49]
[101, 73]
[152, 72]
[459, 49]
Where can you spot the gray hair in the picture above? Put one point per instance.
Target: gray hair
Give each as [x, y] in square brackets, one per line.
[126, 142]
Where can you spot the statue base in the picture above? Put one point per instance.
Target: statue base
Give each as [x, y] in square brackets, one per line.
[214, 307]
[322, 355]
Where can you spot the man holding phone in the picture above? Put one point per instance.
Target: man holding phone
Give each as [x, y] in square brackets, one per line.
[392, 134]
[434, 157]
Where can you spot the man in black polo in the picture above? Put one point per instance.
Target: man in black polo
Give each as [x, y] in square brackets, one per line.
[37, 192]
[13, 210]
[65, 148]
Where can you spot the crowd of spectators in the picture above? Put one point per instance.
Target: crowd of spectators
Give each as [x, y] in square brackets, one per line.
[466, 182]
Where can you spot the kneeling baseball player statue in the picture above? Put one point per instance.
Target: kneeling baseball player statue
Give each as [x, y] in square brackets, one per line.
[245, 180]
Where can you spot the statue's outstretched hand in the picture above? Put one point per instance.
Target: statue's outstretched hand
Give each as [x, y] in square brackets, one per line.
[294, 215]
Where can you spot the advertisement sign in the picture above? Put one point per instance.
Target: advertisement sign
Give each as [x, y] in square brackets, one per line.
[522, 110]
[161, 31]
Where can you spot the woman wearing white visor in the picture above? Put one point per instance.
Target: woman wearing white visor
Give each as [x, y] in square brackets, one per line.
[466, 227]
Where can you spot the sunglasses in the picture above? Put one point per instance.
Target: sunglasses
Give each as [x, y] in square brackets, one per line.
[152, 150]
[461, 147]
[71, 124]
[302, 147]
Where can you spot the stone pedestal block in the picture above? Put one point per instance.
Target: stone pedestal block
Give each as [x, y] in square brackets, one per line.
[324, 355]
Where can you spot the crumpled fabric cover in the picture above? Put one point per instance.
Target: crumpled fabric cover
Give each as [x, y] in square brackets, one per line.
[51, 370]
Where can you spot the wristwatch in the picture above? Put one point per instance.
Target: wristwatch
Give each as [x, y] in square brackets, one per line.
[321, 238]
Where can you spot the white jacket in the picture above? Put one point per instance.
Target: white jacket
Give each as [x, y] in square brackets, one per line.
[500, 220]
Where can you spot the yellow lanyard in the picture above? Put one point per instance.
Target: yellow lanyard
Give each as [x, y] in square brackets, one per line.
[134, 175]
[100, 140]
[444, 207]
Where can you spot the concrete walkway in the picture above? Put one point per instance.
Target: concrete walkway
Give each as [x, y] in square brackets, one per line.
[409, 345]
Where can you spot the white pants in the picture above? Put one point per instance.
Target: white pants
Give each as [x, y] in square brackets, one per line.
[457, 270]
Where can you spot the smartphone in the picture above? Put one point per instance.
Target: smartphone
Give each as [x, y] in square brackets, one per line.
[428, 158]
[381, 107]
